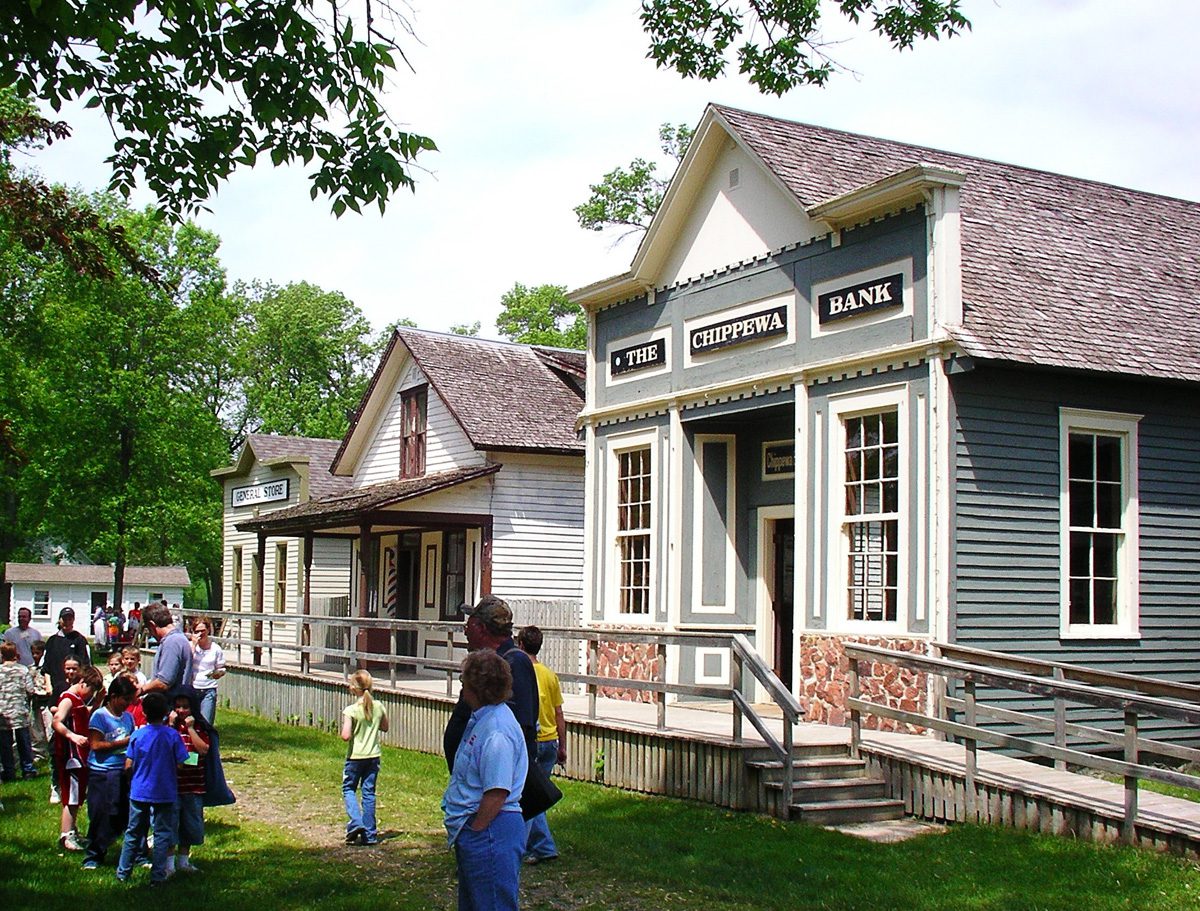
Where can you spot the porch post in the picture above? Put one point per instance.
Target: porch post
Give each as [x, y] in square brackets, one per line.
[364, 544]
[306, 604]
[485, 558]
[800, 535]
[260, 563]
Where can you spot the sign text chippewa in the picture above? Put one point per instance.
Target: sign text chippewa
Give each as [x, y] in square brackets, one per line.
[737, 331]
[876, 294]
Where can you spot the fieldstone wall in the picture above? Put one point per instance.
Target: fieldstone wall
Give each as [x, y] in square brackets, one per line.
[627, 661]
[825, 681]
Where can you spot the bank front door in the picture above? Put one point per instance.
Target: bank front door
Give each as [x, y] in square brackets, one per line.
[784, 541]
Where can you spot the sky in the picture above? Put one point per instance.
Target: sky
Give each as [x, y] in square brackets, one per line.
[530, 101]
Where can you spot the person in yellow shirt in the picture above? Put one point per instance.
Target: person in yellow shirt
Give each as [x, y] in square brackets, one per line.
[551, 742]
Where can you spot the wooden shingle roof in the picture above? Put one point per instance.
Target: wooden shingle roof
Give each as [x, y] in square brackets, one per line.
[1057, 271]
[99, 574]
[319, 452]
[506, 397]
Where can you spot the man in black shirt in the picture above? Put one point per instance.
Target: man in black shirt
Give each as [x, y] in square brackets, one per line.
[68, 642]
[489, 625]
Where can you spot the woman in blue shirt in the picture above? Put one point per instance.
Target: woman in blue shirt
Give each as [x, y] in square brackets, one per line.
[482, 804]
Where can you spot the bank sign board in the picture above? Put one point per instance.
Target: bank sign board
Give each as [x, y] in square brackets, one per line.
[751, 327]
[642, 356]
[865, 297]
[268, 492]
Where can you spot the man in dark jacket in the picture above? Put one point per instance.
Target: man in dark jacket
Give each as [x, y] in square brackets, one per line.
[489, 625]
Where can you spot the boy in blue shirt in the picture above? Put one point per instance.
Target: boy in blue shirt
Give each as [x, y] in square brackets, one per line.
[109, 730]
[155, 753]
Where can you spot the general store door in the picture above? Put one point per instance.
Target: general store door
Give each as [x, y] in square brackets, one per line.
[783, 599]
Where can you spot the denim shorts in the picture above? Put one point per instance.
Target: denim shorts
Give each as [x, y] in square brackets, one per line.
[190, 817]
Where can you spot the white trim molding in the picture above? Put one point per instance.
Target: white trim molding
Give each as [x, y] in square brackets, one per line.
[1124, 428]
[726, 605]
[616, 445]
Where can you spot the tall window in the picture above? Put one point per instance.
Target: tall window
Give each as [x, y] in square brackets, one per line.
[1100, 524]
[454, 573]
[871, 525]
[41, 602]
[633, 530]
[281, 568]
[412, 432]
[237, 578]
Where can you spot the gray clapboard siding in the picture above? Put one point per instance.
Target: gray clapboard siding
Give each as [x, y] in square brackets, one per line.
[1006, 526]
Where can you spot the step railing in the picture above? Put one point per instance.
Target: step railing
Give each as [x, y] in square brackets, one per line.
[1058, 682]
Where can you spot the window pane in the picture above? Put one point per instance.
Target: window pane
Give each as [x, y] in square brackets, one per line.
[1081, 554]
[1108, 505]
[871, 464]
[1108, 458]
[1080, 452]
[854, 466]
[1104, 556]
[1104, 607]
[1080, 607]
[872, 499]
[854, 433]
[1082, 508]
[891, 462]
[871, 430]
[891, 428]
[853, 500]
[891, 496]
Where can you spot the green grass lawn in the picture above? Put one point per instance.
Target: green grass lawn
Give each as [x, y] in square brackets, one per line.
[280, 848]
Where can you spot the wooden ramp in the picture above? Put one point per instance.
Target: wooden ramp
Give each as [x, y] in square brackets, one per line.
[696, 757]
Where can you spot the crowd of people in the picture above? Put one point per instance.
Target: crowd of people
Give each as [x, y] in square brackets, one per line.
[140, 751]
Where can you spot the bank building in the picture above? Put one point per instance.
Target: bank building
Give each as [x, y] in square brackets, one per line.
[856, 390]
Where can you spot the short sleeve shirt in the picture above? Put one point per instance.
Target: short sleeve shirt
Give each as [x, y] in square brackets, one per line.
[155, 751]
[549, 698]
[364, 739]
[173, 662]
[492, 756]
[110, 727]
[23, 639]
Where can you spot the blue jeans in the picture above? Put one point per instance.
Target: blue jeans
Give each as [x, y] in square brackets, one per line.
[208, 704]
[143, 816]
[8, 770]
[360, 773]
[489, 864]
[539, 842]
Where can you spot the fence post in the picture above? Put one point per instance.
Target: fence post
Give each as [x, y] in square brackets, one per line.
[1129, 823]
[593, 666]
[789, 766]
[450, 657]
[855, 715]
[270, 643]
[1060, 721]
[660, 649]
[735, 681]
[971, 745]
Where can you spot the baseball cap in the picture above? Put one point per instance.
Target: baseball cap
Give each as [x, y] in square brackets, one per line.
[66, 612]
[491, 610]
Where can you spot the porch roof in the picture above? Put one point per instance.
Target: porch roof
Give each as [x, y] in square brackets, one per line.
[357, 505]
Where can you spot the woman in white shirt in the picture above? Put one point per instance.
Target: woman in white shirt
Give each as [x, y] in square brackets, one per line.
[208, 666]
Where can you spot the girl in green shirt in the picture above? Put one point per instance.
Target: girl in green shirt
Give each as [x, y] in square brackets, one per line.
[362, 723]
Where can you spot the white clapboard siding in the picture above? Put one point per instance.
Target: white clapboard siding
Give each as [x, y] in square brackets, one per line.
[258, 474]
[537, 548]
[330, 568]
[446, 445]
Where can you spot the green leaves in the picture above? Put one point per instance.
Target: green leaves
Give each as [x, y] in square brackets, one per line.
[542, 315]
[219, 82]
[784, 47]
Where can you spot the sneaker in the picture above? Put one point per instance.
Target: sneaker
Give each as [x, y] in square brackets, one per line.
[538, 858]
[90, 865]
[186, 867]
[146, 864]
[69, 842]
[353, 836]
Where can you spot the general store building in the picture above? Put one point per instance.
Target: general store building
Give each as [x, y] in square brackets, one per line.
[461, 474]
[857, 390]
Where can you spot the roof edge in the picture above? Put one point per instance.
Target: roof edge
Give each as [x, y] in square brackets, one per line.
[885, 195]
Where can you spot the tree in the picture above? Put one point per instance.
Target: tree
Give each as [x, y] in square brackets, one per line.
[471, 330]
[305, 356]
[629, 197]
[194, 89]
[541, 316]
[783, 47]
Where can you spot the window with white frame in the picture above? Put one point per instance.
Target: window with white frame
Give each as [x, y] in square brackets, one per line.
[871, 519]
[41, 602]
[633, 529]
[1099, 521]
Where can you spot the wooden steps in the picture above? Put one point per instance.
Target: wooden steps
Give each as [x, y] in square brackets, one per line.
[829, 787]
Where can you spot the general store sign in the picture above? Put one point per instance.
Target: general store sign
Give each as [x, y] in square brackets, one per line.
[267, 492]
[642, 356]
[737, 331]
[865, 297]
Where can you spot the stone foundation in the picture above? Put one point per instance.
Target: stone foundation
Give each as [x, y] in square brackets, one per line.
[627, 661]
[825, 681]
